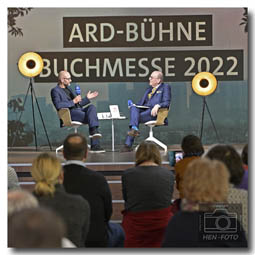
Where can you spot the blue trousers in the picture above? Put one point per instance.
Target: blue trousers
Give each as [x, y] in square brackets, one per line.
[87, 115]
[116, 235]
[137, 116]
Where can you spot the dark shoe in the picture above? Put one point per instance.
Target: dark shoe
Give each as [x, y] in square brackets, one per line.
[96, 149]
[132, 132]
[126, 148]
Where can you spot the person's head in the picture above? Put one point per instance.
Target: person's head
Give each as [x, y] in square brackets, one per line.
[156, 78]
[13, 181]
[206, 181]
[147, 152]
[64, 78]
[35, 228]
[192, 146]
[75, 147]
[46, 172]
[19, 200]
[244, 154]
[230, 157]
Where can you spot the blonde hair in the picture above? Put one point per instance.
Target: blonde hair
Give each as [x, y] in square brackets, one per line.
[206, 181]
[45, 170]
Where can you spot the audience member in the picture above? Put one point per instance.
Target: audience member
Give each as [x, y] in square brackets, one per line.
[78, 179]
[230, 157]
[35, 228]
[19, 200]
[74, 209]
[13, 182]
[192, 149]
[205, 185]
[147, 190]
[244, 156]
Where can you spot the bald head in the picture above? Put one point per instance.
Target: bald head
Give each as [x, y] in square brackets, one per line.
[158, 75]
[75, 147]
[62, 74]
[156, 78]
[64, 78]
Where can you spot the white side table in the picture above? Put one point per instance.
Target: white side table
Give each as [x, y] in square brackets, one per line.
[107, 116]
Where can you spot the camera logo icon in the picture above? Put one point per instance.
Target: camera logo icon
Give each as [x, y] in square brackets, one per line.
[220, 221]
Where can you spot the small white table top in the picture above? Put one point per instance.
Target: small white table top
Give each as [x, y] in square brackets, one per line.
[108, 116]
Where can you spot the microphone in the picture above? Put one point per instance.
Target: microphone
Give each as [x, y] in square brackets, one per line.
[77, 90]
[130, 103]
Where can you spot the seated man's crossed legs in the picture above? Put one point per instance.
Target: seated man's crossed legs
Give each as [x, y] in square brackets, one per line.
[137, 116]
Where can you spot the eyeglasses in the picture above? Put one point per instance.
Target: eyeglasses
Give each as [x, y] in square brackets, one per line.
[67, 78]
[153, 77]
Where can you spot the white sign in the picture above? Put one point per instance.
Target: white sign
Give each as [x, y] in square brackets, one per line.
[114, 109]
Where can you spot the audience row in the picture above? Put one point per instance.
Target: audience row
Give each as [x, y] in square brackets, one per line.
[211, 211]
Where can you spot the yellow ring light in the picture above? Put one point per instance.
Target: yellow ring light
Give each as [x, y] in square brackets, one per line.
[204, 83]
[30, 64]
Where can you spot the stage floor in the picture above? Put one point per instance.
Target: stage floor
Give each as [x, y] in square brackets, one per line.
[28, 154]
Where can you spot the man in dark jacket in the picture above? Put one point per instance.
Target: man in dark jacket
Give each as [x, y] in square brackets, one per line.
[80, 108]
[156, 96]
[78, 179]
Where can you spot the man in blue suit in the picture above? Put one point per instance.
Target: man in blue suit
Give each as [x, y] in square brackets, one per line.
[157, 96]
[63, 97]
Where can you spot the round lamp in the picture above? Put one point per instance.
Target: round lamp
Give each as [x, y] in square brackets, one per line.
[30, 64]
[204, 83]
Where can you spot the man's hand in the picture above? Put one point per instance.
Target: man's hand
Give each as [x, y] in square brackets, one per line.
[154, 110]
[91, 95]
[77, 99]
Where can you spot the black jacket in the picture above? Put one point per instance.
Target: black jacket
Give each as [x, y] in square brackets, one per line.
[94, 188]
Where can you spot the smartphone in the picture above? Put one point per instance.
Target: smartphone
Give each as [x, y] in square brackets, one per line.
[174, 157]
[178, 156]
